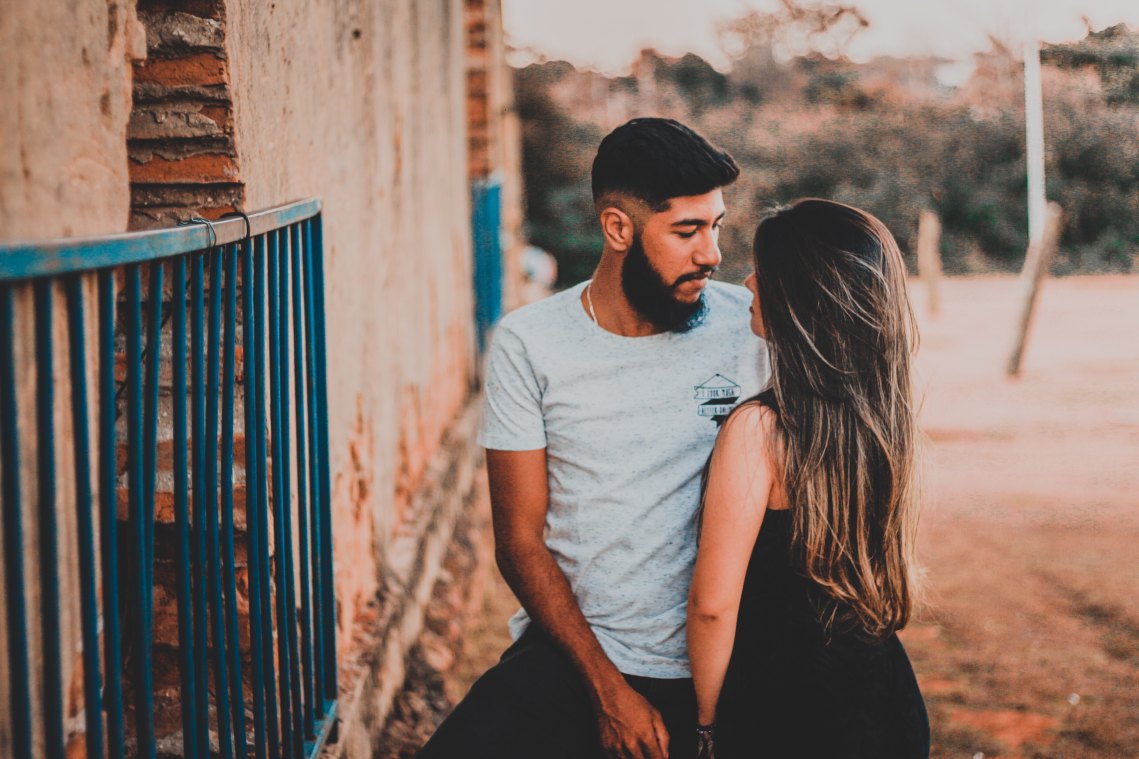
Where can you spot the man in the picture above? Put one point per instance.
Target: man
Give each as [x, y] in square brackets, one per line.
[602, 405]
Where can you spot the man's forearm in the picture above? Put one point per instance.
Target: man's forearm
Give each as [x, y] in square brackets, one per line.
[540, 585]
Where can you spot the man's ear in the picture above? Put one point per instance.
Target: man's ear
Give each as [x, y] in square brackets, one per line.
[617, 228]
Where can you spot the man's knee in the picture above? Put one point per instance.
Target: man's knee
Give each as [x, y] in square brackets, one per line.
[530, 704]
[477, 726]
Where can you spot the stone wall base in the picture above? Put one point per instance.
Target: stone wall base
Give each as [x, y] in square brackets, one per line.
[393, 684]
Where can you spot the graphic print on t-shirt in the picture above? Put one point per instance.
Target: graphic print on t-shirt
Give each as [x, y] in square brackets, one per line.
[719, 395]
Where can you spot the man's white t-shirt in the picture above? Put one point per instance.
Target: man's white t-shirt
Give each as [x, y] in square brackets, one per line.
[627, 424]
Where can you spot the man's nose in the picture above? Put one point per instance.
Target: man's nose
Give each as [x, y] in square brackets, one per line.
[709, 252]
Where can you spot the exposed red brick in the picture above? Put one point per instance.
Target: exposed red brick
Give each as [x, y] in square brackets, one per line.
[195, 169]
[477, 112]
[476, 83]
[220, 114]
[75, 693]
[164, 506]
[76, 747]
[213, 213]
[166, 452]
[201, 69]
[214, 9]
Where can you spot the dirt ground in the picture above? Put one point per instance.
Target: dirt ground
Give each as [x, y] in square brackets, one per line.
[1027, 645]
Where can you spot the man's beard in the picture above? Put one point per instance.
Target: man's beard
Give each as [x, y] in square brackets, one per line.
[653, 298]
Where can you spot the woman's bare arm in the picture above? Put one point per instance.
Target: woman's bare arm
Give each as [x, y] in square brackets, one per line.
[740, 482]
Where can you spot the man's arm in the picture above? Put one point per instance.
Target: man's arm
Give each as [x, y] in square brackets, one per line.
[519, 494]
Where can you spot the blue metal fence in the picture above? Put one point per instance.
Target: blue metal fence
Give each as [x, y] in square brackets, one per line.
[270, 264]
[486, 230]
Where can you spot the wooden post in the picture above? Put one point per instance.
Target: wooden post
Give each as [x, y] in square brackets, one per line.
[1034, 140]
[929, 257]
[1036, 264]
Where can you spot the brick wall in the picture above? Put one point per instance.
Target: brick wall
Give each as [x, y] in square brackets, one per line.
[183, 158]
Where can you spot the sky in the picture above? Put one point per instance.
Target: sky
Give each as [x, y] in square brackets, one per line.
[607, 34]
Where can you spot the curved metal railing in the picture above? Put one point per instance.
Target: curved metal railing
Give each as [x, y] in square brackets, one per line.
[249, 542]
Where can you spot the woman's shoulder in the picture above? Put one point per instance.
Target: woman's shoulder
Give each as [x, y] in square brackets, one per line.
[750, 441]
[751, 421]
[742, 455]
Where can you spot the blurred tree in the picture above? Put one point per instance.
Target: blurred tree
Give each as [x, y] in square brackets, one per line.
[1113, 53]
[802, 123]
[698, 84]
[557, 153]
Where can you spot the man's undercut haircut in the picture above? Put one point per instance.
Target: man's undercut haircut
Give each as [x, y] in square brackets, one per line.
[654, 160]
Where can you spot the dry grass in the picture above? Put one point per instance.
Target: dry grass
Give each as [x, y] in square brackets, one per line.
[1028, 646]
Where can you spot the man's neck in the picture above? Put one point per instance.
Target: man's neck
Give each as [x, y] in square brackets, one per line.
[611, 308]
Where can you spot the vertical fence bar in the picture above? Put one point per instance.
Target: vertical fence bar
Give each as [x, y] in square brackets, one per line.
[294, 667]
[486, 228]
[229, 553]
[262, 504]
[153, 356]
[221, 690]
[182, 514]
[299, 363]
[19, 691]
[48, 527]
[279, 491]
[286, 500]
[252, 485]
[314, 484]
[81, 446]
[140, 639]
[109, 523]
[325, 534]
[198, 537]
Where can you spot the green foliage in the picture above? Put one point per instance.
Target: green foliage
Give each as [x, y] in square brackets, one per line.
[695, 80]
[1113, 53]
[814, 126]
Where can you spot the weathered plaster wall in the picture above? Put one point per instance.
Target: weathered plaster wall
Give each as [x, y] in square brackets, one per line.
[66, 77]
[362, 104]
[65, 70]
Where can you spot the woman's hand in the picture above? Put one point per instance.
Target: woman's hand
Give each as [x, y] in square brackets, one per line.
[705, 742]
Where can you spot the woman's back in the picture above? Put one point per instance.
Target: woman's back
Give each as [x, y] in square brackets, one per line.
[810, 508]
[788, 692]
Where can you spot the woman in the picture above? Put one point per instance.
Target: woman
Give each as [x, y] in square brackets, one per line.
[803, 574]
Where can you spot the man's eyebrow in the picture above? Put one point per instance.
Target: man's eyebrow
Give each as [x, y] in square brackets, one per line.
[697, 222]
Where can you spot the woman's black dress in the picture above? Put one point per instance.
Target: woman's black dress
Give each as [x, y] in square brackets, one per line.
[790, 694]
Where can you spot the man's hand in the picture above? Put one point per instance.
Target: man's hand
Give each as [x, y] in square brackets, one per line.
[630, 727]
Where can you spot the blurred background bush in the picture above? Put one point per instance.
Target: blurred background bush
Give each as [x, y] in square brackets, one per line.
[889, 135]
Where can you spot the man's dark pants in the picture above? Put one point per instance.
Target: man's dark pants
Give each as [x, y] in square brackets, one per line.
[533, 705]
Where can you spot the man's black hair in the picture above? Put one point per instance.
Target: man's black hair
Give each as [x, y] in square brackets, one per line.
[655, 159]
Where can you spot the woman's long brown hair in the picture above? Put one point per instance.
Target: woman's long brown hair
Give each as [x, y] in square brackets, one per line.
[841, 333]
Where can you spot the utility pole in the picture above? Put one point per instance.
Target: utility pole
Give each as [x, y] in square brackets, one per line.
[929, 257]
[1034, 140]
[1044, 220]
